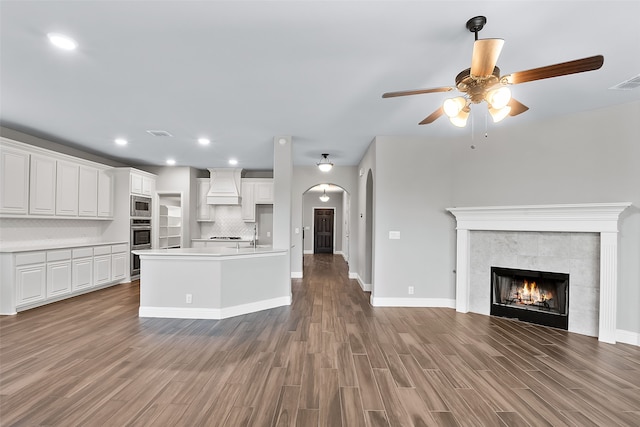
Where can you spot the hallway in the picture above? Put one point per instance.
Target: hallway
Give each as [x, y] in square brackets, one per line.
[329, 359]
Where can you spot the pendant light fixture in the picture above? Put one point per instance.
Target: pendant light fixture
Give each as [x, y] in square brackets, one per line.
[324, 198]
[325, 165]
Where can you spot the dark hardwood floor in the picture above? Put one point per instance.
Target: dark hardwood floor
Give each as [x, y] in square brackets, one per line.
[329, 359]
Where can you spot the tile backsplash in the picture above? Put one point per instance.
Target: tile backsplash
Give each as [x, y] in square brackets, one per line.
[18, 232]
[228, 222]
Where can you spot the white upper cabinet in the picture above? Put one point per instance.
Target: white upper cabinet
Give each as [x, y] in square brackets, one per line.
[248, 202]
[88, 191]
[42, 186]
[142, 185]
[263, 193]
[14, 181]
[205, 211]
[38, 182]
[67, 188]
[105, 194]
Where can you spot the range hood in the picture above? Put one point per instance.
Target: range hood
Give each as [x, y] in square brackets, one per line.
[225, 186]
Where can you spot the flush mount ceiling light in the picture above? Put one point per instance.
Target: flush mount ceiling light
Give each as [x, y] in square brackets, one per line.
[121, 141]
[325, 165]
[324, 198]
[61, 41]
[204, 141]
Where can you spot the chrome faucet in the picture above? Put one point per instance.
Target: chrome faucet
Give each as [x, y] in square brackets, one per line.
[255, 236]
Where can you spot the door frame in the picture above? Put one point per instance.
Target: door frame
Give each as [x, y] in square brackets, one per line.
[313, 226]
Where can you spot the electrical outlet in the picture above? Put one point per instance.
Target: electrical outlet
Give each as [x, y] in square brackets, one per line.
[268, 234]
[410, 290]
[189, 298]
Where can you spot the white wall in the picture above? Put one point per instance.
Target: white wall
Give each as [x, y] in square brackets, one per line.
[585, 158]
[305, 177]
[412, 189]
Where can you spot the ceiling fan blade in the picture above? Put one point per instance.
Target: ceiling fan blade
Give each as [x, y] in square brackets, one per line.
[432, 117]
[485, 55]
[556, 70]
[516, 107]
[416, 92]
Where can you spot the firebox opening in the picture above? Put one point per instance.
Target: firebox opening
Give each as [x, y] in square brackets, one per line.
[538, 297]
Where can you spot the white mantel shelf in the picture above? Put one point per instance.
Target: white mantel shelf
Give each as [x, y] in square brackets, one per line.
[577, 218]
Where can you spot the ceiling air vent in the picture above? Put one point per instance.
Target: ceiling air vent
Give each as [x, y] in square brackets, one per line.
[159, 133]
[630, 84]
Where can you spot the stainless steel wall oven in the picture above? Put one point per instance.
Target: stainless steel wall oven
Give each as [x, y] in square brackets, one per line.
[140, 239]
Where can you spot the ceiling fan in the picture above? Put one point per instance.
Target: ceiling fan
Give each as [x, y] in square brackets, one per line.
[483, 82]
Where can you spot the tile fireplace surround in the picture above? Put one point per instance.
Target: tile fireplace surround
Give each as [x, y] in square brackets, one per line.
[599, 218]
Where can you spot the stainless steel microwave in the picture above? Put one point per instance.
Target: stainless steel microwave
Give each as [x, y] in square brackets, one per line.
[140, 206]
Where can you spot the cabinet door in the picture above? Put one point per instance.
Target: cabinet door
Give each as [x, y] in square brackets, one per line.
[118, 266]
[30, 283]
[14, 182]
[248, 203]
[67, 189]
[263, 193]
[205, 211]
[58, 278]
[88, 192]
[136, 183]
[82, 273]
[102, 269]
[105, 194]
[42, 186]
[147, 186]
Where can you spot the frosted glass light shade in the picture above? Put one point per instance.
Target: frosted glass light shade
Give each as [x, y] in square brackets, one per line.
[453, 106]
[499, 98]
[461, 119]
[499, 114]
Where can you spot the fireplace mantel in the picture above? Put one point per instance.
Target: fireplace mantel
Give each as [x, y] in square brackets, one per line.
[594, 217]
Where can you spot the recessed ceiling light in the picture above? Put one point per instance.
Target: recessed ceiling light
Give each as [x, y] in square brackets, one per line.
[233, 162]
[171, 162]
[61, 41]
[204, 141]
[121, 141]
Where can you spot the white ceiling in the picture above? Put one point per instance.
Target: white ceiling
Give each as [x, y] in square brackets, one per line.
[244, 72]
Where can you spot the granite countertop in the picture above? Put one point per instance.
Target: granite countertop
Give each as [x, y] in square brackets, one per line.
[47, 246]
[209, 252]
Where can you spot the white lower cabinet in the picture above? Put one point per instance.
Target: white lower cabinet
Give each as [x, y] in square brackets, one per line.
[31, 283]
[58, 273]
[102, 265]
[118, 262]
[35, 278]
[82, 269]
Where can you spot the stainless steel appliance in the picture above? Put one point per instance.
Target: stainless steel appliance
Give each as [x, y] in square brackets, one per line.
[141, 206]
[140, 239]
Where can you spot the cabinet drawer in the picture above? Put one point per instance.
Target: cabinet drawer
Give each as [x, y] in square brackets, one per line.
[102, 250]
[82, 252]
[58, 255]
[116, 249]
[31, 258]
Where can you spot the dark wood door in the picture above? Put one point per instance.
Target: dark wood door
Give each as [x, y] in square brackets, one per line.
[323, 231]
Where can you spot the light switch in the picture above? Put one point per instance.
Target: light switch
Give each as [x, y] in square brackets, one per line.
[394, 235]
[297, 230]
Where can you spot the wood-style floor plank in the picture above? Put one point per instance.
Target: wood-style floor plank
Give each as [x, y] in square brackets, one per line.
[329, 359]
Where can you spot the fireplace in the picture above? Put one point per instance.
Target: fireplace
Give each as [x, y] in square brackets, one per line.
[539, 297]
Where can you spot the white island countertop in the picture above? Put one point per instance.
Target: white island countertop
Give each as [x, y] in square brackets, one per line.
[209, 252]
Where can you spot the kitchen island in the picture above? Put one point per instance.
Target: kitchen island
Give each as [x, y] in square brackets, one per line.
[212, 283]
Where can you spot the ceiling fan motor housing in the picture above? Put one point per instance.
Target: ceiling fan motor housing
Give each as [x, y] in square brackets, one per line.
[476, 87]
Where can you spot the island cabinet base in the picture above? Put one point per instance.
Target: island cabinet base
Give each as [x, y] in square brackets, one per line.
[184, 286]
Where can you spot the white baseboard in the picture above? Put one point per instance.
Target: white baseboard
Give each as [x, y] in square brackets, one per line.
[353, 275]
[296, 274]
[308, 252]
[213, 313]
[628, 337]
[413, 302]
[366, 287]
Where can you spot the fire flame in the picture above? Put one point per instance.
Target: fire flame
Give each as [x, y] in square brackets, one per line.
[531, 294]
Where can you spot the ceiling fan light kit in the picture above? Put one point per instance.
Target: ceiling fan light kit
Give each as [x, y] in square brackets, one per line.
[482, 81]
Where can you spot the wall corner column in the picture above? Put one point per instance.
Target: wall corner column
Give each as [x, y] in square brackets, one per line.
[462, 270]
[608, 286]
